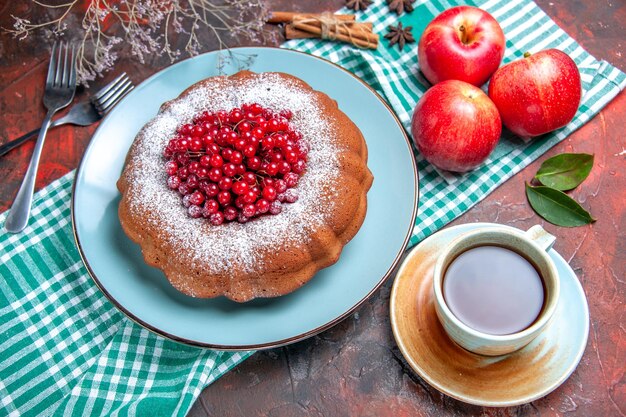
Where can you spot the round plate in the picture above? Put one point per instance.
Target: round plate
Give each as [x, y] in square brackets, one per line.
[502, 381]
[144, 294]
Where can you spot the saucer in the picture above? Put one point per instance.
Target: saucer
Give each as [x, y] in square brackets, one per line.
[520, 377]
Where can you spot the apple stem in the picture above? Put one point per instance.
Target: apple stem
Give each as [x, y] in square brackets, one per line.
[463, 34]
[527, 54]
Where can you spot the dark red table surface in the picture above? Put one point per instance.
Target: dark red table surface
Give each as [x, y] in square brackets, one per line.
[356, 368]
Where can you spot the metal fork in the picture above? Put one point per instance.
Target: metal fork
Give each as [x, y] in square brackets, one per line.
[86, 112]
[59, 92]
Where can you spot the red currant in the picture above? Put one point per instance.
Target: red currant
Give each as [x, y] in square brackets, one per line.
[202, 172]
[183, 189]
[211, 207]
[274, 125]
[224, 197]
[205, 160]
[230, 213]
[249, 151]
[290, 196]
[183, 173]
[272, 169]
[254, 163]
[173, 182]
[262, 206]
[197, 131]
[235, 116]
[291, 179]
[268, 142]
[185, 129]
[269, 193]
[284, 167]
[225, 183]
[194, 211]
[240, 187]
[236, 164]
[281, 186]
[192, 181]
[215, 174]
[236, 157]
[257, 133]
[221, 116]
[193, 166]
[230, 170]
[197, 198]
[211, 189]
[249, 177]
[216, 218]
[249, 210]
[249, 197]
[171, 167]
[217, 161]
[298, 167]
[276, 207]
[244, 126]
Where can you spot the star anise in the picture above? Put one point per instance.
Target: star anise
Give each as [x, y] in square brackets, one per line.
[357, 5]
[400, 35]
[401, 6]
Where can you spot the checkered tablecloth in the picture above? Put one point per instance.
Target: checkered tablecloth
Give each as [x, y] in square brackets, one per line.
[65, 350]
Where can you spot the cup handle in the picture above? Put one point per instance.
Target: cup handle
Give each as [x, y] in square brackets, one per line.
[538, 235]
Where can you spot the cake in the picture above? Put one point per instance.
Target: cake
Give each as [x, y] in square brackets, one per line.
[210, 246]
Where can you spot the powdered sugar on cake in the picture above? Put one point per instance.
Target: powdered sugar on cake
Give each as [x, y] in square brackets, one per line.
[222, 246]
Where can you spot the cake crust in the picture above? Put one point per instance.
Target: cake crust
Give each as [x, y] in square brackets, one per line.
[272, 255]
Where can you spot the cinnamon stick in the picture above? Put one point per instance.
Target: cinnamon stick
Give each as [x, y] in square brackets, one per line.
[292, 33]
[288, 17]
[358, 37]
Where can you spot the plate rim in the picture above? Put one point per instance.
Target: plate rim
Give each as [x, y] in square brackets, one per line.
[281, 342]
[441, 388]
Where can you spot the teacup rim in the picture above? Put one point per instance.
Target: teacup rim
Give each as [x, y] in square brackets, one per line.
[440, 300]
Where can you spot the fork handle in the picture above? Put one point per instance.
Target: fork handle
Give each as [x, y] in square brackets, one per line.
[20, 210]
[9, 146]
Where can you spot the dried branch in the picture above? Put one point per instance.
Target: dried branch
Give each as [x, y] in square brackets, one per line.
[145, 26]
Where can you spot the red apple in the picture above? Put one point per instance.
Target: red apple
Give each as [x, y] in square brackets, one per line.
[463, 43]
[455, 126]
[538, 93]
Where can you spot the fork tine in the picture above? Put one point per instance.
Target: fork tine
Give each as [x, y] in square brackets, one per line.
[109, 86]
[52, 66]
[66, 73]
[111, 101]
[116, 98]
[59, 73]
[100, 100]
[101, 103]
[72, 80]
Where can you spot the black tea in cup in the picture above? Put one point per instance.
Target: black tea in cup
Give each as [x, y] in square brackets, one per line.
[493, 290]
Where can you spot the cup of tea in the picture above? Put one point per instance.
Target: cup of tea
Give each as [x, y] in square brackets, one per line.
[496, 288]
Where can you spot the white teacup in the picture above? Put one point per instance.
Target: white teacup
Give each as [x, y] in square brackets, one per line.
[532, 245]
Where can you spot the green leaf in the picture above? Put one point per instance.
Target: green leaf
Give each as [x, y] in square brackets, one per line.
[557, 207]
[565, 171]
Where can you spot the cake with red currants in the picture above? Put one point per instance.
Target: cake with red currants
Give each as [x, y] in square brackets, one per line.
[245, 186]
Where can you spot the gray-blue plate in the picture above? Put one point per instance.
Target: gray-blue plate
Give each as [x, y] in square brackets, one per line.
[144, 294]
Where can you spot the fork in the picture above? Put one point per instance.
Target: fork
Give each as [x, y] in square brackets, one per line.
[86, 112]
[59, 92]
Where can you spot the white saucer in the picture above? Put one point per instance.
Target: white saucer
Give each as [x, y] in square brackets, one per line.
[518, 378]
